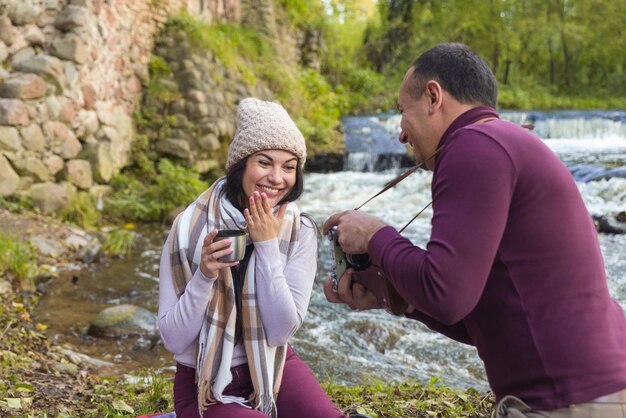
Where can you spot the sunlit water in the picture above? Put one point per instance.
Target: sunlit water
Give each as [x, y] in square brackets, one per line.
[337, 343]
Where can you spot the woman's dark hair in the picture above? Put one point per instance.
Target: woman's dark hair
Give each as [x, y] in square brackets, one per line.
[234, 186]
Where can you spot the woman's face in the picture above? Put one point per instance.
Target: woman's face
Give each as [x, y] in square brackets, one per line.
[272, 172]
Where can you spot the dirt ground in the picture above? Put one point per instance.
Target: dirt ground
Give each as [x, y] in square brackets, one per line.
[23, 226]
[32, 224]
[35, 377]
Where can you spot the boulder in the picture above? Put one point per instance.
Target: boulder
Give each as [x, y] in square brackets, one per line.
[13, 112]
[79, 173]
[608, 224]
[124, 321]
[70, 47]
[23, 86]
[10, 139]
[72, 17]
[9, 180]
[47, 67]
[33, 138]
[48, 197]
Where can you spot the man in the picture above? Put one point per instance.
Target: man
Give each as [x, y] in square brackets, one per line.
[513, 265]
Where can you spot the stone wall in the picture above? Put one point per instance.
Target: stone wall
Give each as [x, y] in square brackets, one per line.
[191, 111]
[71, 75]
[198, 116]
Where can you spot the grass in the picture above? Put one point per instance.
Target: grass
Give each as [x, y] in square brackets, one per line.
[33, 383]
[138, 197]
[235, 46]
[119, 242]
[410, 399]
[81, 210]
[17, 260]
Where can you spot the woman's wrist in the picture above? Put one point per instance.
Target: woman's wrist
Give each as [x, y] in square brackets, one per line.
[208, 276]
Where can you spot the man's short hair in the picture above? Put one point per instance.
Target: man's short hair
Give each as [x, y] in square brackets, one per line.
[459, 71]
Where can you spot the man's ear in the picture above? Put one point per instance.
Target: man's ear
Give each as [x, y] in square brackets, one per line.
[434, 95]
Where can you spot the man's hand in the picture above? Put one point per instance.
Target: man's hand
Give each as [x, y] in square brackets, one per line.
[355, 229]
[355, 295]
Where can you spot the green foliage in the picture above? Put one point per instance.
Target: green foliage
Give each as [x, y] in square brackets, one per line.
[315, 99]
[143, 157]
[556, 53]
[410, 399]
[319, 120]
[17, 259]
[158, 67]
[17, 203]
[140, 198]
[160, 94]
[304, 13]
[234, 45]
[149, 392]
[351, 78]
[525, 97]
[81, 210]
[377, 399]
[119, 242]
[365, 90]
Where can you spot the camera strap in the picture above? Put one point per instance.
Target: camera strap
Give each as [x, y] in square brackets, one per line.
[397, 180]
[411, 170]
[390, 184]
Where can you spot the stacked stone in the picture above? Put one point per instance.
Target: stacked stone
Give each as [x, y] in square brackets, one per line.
[259, 15]
[204, 117]
[71, 75]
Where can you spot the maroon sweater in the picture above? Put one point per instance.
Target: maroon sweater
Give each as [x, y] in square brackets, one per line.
[513, 267]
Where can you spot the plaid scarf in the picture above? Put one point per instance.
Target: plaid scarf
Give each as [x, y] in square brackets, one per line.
[212, 210]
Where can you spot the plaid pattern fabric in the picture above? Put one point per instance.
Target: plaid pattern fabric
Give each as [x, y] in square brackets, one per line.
[212, 210]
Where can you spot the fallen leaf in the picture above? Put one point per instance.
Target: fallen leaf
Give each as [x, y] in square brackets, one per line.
[120, 405]
[23, 387]
[14, 403]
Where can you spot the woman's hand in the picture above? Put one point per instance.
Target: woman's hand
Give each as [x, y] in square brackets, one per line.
[262, 224]
[210, 264]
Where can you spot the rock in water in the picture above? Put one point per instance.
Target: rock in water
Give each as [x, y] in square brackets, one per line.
[124, 321]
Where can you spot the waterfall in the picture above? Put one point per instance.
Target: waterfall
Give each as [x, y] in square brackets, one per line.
[372, 145]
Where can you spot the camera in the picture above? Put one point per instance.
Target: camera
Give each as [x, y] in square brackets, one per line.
[367, 274]
[342, 261]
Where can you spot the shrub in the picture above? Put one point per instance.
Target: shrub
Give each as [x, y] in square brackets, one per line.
[149, 199]
[17, 259]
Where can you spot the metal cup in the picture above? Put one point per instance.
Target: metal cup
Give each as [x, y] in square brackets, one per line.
[238, 244]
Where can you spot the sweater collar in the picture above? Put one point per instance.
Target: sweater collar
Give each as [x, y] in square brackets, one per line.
[469, 117]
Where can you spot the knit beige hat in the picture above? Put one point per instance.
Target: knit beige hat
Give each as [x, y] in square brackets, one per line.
[264, 125]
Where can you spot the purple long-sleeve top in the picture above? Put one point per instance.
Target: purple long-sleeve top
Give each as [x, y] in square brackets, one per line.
[513, 266]
[283, 294]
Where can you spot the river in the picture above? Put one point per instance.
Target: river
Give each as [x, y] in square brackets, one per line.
[339, 344]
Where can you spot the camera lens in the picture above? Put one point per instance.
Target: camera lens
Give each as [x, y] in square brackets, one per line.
[359, 261]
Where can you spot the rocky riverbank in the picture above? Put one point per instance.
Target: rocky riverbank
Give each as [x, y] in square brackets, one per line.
[42, 378]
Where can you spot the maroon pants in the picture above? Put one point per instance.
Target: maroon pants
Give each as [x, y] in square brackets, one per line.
[300, 395]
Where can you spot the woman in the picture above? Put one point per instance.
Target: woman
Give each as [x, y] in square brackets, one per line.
[229, 323]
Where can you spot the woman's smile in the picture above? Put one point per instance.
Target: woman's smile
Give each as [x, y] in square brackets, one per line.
[272, 172]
